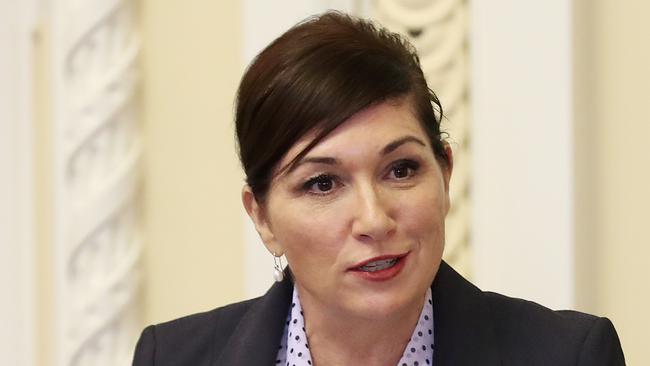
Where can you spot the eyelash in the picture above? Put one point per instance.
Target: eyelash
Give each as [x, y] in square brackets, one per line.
[321, 178]
[412, 167]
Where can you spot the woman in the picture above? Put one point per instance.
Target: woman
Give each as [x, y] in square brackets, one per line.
[347, 176]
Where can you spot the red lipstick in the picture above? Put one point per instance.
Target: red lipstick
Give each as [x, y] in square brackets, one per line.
[381, 268]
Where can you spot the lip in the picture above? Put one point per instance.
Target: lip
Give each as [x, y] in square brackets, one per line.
[384, 274]
[378, 258]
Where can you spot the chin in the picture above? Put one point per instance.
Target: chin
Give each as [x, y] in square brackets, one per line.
[378, 300]
[377, 306]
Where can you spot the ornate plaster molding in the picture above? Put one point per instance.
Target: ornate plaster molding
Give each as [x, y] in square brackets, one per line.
[97, 151]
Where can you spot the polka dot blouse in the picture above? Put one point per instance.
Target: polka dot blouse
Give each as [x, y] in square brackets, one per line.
[294, 346]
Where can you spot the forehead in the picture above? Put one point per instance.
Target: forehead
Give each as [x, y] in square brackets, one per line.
[371, 128]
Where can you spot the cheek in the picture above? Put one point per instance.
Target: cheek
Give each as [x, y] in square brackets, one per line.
[310, 238]
[424, 218]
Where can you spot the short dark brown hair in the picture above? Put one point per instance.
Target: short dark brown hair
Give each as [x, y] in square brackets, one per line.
[313, 78]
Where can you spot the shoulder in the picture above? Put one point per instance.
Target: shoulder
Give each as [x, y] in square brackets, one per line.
[528, 332]
[193, 339]
[248, 330]
[201, 325]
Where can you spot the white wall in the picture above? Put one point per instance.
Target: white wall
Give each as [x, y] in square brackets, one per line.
[17, 343]
[521, 96]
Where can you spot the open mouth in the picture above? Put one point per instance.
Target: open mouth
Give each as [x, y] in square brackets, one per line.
[382, 268]
[378, 265]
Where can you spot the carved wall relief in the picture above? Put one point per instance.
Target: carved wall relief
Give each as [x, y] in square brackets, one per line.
[97, 155]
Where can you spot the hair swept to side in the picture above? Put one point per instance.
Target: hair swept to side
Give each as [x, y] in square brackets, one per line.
[316, 76]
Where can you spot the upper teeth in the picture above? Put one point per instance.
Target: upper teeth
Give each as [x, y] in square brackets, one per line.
[378, 265]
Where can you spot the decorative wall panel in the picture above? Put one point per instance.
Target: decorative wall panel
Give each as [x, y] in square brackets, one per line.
[439, 31]
[97, 152]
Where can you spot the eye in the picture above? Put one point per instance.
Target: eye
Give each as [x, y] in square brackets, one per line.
[321, 184]
[403, 169]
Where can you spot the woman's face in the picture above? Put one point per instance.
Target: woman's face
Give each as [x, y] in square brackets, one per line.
[372, 190]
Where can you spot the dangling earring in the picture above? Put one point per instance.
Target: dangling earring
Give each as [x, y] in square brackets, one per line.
[278, 274]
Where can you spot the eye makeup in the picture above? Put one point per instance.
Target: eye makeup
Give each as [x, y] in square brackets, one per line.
[320, 184]
[403, 169]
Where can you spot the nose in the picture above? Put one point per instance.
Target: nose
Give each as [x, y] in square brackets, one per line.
[372, 218]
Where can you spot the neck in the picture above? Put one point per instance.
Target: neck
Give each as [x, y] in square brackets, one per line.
[342, 339]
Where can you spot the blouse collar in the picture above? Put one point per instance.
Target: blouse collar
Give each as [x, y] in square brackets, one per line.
[294, 346]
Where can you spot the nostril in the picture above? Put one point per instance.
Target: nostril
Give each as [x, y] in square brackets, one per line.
[375, 230]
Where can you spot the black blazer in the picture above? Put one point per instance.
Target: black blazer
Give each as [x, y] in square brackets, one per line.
[471, 328]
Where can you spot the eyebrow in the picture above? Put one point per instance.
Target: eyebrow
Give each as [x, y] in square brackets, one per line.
[333, 161]
[399, 142]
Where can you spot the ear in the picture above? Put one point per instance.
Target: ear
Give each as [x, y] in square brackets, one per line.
[257, 213]
[446, 173]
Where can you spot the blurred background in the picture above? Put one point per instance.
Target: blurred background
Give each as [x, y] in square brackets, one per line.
[120, 184]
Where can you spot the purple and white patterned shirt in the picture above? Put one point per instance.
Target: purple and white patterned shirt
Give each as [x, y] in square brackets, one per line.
[294, 347]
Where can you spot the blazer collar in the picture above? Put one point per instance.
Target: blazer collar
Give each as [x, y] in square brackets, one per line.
[256, 339]
[463, 330]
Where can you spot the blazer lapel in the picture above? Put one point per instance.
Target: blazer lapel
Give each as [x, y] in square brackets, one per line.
[463, 329]
[256, 339]
[464, 333]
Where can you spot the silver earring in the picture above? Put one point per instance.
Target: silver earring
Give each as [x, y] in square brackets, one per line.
[278, 274]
